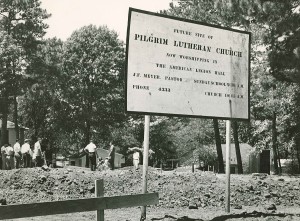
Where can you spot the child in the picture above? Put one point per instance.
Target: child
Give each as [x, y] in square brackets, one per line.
[100, 165]
[106, 164]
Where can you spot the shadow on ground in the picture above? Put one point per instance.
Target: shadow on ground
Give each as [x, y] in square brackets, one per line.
[243, 215]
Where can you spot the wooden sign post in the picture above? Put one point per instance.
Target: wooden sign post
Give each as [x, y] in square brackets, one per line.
[227, 191]
[145, 161]
[228, 148]
[99, 192]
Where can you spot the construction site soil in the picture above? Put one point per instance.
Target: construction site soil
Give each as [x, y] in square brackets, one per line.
[183, 195]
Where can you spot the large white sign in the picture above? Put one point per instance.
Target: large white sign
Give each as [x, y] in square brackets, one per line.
[179, 67]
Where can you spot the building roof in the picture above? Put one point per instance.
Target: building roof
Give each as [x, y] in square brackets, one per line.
[245, 149]
[81, 153]
[11, 125]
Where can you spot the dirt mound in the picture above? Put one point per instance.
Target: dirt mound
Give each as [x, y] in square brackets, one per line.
[177, 189]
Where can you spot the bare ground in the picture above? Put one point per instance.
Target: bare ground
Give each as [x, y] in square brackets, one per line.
[253, 197]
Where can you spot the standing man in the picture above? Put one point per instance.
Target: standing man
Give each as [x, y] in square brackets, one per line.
[111, 155]
[91, 150]
[10, 163]
[136, 159]
[48, 154]
[37, 153]
[25, 154]
[3, 156]
[17, 150]
[31, 161]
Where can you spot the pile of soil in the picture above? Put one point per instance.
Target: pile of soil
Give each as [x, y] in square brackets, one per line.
[177, 189]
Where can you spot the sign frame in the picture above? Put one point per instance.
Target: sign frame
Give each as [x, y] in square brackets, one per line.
[193, 22]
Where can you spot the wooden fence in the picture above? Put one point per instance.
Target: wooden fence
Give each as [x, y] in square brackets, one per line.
[100, 203]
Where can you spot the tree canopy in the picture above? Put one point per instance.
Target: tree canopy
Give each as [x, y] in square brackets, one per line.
[71, 91]
[93, 69]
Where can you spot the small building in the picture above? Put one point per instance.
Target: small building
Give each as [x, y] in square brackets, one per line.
[11, 132]
[260, 162]
[80, 159]
[289, 166]
[246, 152]
[253, 161]
[60, 160]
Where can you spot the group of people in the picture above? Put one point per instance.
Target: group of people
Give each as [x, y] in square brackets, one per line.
[103, 164]
[37, 155]
[23, 156]
[109, 161]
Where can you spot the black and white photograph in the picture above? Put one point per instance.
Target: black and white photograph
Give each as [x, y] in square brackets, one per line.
[163, 110]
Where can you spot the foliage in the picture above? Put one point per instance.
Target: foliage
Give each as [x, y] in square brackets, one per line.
[284, 45]
[212, 12]
[21, 21]
[10, 62]
[193, 136]
[92, 89]
[40, 105]
[162, 145]
[24, 20]
[162, 140]
[275, 31]
[72, 91]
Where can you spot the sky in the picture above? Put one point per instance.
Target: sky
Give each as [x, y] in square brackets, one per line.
[70, 15]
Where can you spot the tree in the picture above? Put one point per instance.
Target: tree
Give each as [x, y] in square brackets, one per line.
[40, 105]
[162, 140]
[283, 40]
[237, 147]
[280, 21]
[218, 146]
[192, 136]
[9, 54]
[92, 88]
[22, 21]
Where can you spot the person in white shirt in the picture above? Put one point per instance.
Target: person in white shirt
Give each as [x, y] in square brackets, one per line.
[136, 159]
[18, 156]
[37, 153]
[10, 163]
[135, 156]
[25, 149]
[91, 150]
